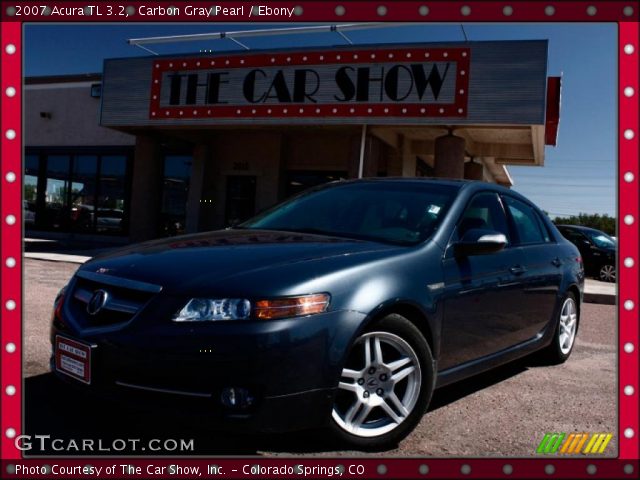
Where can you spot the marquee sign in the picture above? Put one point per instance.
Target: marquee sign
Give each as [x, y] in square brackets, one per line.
[376, 83]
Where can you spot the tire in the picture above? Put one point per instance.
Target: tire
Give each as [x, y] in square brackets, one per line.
[561, 347]
[378, 403]
[607, 273]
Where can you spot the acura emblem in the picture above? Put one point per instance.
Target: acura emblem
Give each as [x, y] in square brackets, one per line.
[97, 302]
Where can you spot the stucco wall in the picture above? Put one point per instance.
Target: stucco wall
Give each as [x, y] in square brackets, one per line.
[74, 118]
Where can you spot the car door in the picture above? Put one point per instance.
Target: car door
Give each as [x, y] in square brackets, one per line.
[542, 268]
[481, 291]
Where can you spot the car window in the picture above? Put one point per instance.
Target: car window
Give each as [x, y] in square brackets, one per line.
[401, 213]
[526, 224]
[484, 211]
[546, 234]
[601, 239]
[573, 235]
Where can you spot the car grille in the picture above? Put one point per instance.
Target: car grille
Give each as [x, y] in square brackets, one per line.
[125, 298]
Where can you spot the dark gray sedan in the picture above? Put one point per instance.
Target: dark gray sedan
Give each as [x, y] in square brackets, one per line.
[344, 307]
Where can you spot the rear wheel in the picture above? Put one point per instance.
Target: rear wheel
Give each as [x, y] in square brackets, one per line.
[566, 330]
[385, 385]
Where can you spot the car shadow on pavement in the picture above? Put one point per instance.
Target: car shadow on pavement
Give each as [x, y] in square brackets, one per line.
[53, 408]
[451, 393]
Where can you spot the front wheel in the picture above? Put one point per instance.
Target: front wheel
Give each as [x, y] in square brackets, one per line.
[385, 385]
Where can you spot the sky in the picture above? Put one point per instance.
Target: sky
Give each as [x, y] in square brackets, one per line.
[579, 175]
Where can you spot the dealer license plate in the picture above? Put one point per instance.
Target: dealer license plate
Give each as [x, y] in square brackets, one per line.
[73, 358]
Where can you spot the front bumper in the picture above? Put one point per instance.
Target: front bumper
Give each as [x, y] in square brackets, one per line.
[291, 367]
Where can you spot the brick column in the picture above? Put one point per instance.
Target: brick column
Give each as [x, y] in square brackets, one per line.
[146, 190]
[449, 157]
[473, 171]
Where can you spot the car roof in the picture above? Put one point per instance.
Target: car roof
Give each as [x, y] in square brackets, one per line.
[472, 185]
[441, 181]
[422, 180]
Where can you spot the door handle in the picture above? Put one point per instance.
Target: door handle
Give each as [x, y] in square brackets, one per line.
[517, 270]
[556, 262]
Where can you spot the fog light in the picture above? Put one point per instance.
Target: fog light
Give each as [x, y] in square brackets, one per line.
[234, 397]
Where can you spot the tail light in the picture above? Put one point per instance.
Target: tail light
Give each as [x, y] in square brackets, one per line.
[57, 306]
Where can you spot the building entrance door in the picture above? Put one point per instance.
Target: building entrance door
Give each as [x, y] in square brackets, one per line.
[241, 198]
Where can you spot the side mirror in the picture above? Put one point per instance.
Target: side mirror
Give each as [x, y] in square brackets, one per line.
[480, 241]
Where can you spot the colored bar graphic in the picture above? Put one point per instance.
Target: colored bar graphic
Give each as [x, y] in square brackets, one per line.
[543, 443]
[592, 441]
[555, 447]
[567, 443]
[578, 438]
[550, 443]
[572, 443]
[605, 442]
[582, 440]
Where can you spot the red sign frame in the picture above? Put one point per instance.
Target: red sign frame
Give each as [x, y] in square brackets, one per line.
[460, 55]
[626, 465]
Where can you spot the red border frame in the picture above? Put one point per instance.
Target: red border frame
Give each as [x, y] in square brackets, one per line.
[326, 11]
[313, 58]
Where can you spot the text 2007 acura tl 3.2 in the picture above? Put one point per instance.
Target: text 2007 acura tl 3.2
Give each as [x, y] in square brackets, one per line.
[343, 307]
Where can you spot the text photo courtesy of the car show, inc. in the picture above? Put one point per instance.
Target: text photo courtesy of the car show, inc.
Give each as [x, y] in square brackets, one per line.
[305, 246]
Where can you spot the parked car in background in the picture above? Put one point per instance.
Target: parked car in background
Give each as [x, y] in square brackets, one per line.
[28, 213]
[109, 220]
[344, 308]
[598, 250]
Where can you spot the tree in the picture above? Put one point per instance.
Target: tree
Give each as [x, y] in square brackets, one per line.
[600, 222]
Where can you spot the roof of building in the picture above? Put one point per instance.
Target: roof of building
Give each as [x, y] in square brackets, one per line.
[80, 77]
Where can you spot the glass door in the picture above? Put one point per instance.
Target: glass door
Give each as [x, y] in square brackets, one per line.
[110, 213]
[241, 198]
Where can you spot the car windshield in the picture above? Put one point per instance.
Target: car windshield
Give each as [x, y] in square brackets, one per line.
[399, 213]
[602, 240]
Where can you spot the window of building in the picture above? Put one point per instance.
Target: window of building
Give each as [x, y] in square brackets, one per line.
[70, 191]
[175, 191]
[31, 173]
[83, 193]
[111, 196]
[57, 192]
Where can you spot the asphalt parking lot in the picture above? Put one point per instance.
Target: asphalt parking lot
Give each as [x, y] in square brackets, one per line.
[505, 412]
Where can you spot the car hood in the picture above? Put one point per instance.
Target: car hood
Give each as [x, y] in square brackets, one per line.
[188, 263]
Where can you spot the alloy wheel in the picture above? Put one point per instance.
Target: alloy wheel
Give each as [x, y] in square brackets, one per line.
[608, 273]
[379, 387]
[568, 325]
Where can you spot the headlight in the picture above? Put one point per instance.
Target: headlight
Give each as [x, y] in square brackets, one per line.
[205, 309]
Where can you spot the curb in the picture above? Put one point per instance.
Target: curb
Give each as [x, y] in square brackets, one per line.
[601, 298]
[57, 257]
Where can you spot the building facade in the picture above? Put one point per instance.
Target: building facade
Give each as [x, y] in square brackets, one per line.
[158, 146]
